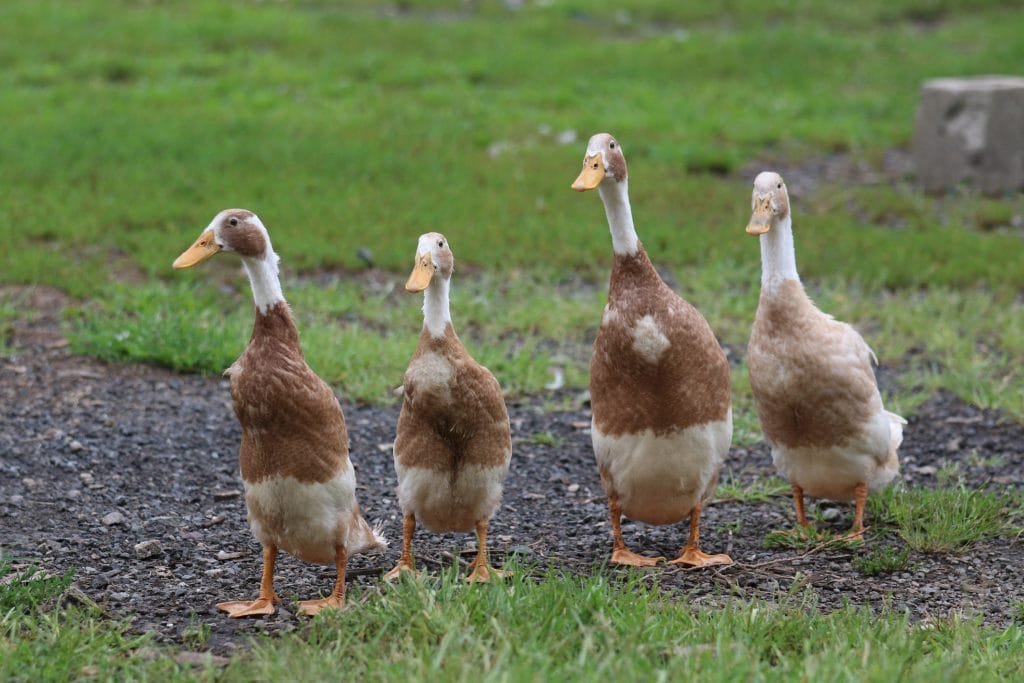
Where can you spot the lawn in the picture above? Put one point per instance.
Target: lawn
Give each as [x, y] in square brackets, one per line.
[353, 127]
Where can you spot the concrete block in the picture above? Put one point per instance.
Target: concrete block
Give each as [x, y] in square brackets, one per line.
[971, 129]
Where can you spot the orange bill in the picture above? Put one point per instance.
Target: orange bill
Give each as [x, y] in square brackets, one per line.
[422, 272]
[591, 175]
[761, 220]
[202, 249]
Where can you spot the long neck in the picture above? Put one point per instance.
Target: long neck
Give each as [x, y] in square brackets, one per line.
[436, 312]
[266, 286]
[615, 196]
[778, 258]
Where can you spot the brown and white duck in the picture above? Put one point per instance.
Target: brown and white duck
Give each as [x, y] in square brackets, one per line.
[659, 383]
[812, 378]
[453, 444]
[299, 482]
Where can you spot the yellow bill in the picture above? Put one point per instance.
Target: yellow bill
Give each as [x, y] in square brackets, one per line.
[761, 220]
[202, 249]
[421, 274]
[591, 175]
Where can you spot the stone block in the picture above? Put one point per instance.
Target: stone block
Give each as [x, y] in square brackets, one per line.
[971, 129]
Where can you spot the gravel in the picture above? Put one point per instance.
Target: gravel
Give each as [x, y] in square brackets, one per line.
[129, 474]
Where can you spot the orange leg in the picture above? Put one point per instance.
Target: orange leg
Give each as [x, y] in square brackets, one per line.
[798, 501]
[336, 600]
[691, 554]
[620, 553]
[480, 570]
[264, 604]
[860, 498]
[405, 562]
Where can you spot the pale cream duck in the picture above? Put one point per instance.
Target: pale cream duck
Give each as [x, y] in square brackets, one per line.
[660, 386]
[453, 444]
[812, 378]
[299, 482]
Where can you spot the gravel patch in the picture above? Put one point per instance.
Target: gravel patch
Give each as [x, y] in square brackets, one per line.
[129, 474]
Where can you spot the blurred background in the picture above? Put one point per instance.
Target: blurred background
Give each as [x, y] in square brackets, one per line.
[352, 127]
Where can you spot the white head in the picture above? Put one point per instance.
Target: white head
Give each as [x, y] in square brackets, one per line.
[602, 163]
[769, 203]
[231, 230]
[434, 259]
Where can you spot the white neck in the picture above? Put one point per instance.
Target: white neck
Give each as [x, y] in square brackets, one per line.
[615, 196]
[266, 286]
[436, 313]
[778, 258]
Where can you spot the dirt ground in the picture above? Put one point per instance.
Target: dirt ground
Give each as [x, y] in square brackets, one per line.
[97, 458]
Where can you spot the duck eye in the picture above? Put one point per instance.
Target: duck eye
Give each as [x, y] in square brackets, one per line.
[595, 164]
[233, 221]
[779, 186]
[440, 243]
[612, 145]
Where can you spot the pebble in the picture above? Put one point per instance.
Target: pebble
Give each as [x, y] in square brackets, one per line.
[226, 495]
[120, 597]
[75, 446]
[148, 549]
[224, 555]
[112, 518]
[17, 499]
[831, 514]
[73, 494]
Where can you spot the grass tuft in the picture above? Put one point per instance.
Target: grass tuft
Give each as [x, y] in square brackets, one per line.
[942, 520]
[882, 561]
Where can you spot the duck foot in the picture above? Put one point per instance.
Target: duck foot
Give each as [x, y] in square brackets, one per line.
[485, 573]
[401, 569]
[627, 557]
[249, 608]
[695, 558]
[311, 608]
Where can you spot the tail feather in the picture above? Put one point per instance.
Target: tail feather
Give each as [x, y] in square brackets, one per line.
[895, 431]
[367, 539]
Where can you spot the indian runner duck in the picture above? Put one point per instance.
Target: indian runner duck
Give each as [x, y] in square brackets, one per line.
[660, 388]
[454, 443]
[299, 481]
[812, 378]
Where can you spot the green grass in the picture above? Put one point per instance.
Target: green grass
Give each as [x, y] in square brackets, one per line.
[596, 628]
[945, 520]
[760, 490]
[125, 131]
[882, 560]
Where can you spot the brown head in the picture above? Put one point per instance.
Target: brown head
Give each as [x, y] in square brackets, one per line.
[769, 202]
[233, 230]
[603, 162]
[433, 258]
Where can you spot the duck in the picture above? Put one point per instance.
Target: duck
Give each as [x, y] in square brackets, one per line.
[660, 384]
[453, 443]
[300, 486]
[812, 378]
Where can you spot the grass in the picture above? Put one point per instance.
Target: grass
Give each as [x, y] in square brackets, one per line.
[575, 628]
[120, 144]
[882, 560]
[760, 490]
[945, 520]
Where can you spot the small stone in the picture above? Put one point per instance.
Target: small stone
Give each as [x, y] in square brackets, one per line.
[120, 597]
[573, 488]
[75, 446]
[17, 499]
[112, 518]
[87, 478]
[73, 494]
[148, 549]
[217, 571]
[224, 555]
[830, 514]
[226, 495]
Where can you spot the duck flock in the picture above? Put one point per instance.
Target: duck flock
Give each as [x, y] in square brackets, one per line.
[660, 399]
